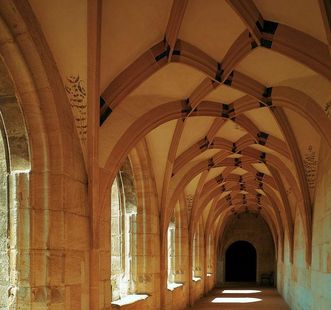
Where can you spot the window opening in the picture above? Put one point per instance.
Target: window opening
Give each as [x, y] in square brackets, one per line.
[209, 256]
[5, 287]
[171, 252]
[123, 234]
[196, 270]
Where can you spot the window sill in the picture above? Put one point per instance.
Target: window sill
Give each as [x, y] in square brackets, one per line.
[209, 274]
[129, 299]
[173, 286]
[196, 279]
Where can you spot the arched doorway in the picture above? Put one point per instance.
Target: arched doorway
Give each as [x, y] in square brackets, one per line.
[240, 262]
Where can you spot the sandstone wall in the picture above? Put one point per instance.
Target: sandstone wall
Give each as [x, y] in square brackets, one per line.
[308, 287]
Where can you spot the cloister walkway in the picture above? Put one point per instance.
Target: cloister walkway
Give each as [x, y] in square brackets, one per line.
[242, 298]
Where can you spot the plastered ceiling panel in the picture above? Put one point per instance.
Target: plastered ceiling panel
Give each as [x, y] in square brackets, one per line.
[205, 156]
[203, 26]
[303, 15]
[236, 155]
[271, 68]
[129, 28]
[261, 168]
[260, 191]
[140, 105]
[173, 82]
[195, 129]
[68, 38]
[224, 194]
[239, 171]
[64, 25]
[111, 131]
[224, 94]
[286, 160]
[214, 173]
[158, 142]
[265, 121]
[315, 86]
[231, 131]
[192, 186]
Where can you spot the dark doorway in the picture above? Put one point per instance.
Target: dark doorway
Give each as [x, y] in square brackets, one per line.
[240, 262]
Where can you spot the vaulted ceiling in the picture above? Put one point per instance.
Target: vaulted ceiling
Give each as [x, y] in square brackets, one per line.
[231, 96]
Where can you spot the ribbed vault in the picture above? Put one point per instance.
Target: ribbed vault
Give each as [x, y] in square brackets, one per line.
[220, 98]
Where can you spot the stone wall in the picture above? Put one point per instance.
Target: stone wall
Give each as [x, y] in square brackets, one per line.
[4, 257]
[303, 286]
[253, 229]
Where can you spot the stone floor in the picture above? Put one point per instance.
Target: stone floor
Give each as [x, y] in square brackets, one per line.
[242, 298]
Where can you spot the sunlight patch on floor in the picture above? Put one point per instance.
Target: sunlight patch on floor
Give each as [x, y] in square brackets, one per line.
[240, 300]
[241, 291]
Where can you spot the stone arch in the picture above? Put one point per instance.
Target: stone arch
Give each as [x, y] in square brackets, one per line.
[147, 223]
[261, 238]
[124, 211]
[139, 200]
[179, 231]
[55, 159]
[14, 169]
[173, 111]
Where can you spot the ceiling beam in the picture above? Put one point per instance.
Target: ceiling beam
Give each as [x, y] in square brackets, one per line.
[175, 20]
[306, 209]
[325, 8]
[250, 16]
[171, 159]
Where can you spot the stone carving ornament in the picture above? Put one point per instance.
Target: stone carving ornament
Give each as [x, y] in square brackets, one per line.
[76, 91]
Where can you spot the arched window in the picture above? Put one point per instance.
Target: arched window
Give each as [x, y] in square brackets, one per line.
[171, 252]
[175, 237]
[14, 188]
[209, 255]
[123, 233]
[194, 256]
[4, 227]
[116, 241]
[196, 268]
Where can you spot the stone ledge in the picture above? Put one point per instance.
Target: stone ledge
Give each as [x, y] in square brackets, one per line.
[173, 286]
[128, 300]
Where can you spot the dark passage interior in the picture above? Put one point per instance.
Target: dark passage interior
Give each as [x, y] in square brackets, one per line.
[240, 262]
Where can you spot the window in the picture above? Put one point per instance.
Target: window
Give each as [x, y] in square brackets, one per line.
[196, 269]
[174, 236]
[209, 256]
[15, 169]
[123, 234]
[171, 252]
[116, 241]
[4, 227]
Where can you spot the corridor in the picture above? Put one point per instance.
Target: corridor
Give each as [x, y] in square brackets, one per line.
[153, 152]
[242, 298]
